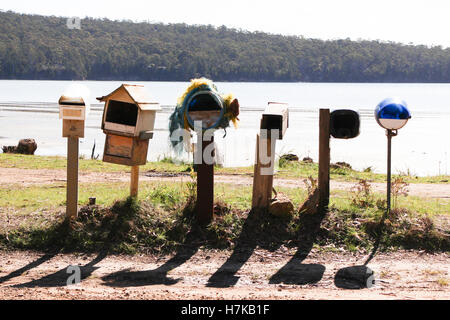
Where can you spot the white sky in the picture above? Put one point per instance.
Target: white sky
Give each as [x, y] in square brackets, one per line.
[416, 21]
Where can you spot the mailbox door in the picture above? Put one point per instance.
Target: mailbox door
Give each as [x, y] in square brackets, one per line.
[129, 151]
[73, 128]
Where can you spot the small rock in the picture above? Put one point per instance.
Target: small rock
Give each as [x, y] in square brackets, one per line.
[289, 157]
[281, 206]
[307, 160]
[340, 165]
[27, 146]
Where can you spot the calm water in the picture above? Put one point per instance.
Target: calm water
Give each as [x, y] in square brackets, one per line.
[29, 109]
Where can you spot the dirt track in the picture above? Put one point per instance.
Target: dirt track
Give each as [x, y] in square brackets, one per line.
[45, 176]
[265, 275]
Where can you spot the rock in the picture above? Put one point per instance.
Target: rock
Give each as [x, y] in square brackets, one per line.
[26, 146]
[281, 206]
[340, 165]
[307, 160]
[356, 277]
[289, 157]
[9, 149]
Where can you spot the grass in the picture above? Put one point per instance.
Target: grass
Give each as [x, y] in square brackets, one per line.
[162, 220]
[286, 169]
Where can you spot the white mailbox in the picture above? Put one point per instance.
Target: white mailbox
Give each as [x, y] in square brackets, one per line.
[276, 116]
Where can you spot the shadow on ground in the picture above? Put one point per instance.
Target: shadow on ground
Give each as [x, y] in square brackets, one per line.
[128, 278]
[28, 267]
[61, 277]
[262, 230]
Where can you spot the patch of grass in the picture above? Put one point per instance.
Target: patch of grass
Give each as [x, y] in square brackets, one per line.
[163, 220]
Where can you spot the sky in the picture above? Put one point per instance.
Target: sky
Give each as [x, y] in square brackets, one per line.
[415, 21]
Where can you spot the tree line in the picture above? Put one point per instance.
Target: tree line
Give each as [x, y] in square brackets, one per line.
[40, 47]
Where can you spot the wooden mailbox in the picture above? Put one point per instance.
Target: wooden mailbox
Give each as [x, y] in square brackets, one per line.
[128, 121]
[275, 116]
[73, 109]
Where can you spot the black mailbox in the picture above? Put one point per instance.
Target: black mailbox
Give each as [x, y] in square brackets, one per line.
[344, 124]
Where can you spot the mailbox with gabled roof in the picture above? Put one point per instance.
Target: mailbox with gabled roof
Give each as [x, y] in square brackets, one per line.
[128, 122]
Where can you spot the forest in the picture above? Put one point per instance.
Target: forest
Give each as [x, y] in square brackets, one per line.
[41, 47]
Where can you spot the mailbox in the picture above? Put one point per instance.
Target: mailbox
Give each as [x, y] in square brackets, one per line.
[392, 114]
[128, 122]
[205, 106]
[74, 107]
[276, 116]
[344, 124]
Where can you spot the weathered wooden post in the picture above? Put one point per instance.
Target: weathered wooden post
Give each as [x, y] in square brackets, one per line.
[205, 180]
[128, 122]
[341, 124]
[324, 159]
[274, 123]
[73, 109]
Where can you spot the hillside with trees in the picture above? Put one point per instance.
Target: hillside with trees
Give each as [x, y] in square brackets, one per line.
[39, 47]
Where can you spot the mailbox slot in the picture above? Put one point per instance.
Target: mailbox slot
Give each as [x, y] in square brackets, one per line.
[344, 124]
[121, 117]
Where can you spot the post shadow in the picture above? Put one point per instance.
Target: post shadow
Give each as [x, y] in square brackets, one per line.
[127, 278]
[256, 231]
[295, 272]
[29, 266]
[59, 278]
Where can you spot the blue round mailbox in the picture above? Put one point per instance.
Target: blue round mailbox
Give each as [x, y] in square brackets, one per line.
[392, 113]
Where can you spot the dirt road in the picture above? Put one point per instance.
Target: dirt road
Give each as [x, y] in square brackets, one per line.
[44, 176]
[195, 275]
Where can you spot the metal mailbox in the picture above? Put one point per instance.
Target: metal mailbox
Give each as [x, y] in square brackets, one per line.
[205, 106]
[128, 122]
[344, 124]
[392, 114]
[275, 116]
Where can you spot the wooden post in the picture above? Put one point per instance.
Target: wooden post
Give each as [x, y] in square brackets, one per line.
[205, 185]
[72, 178]
[134, 182]
[263, 183]
[324, 159]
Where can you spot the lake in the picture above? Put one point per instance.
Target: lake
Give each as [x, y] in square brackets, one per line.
[28, 109]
